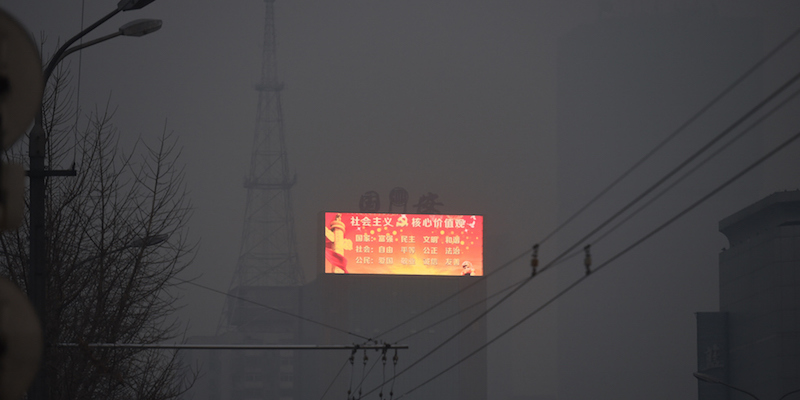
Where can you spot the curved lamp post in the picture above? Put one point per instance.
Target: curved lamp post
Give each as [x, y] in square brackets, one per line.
[711, 379]
[139, 27]
[37, 145]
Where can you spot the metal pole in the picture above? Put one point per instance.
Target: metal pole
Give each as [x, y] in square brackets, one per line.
[37, 272]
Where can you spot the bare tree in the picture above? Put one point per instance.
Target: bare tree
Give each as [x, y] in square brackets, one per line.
[109, 267]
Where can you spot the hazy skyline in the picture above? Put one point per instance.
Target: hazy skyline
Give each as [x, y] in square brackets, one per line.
[458, 98]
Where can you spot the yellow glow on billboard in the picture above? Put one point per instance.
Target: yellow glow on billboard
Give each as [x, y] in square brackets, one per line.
[403, 244]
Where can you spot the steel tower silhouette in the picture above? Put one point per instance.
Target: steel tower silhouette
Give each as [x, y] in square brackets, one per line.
[268, 253]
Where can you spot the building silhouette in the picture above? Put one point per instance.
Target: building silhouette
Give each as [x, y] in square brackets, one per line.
[753, 341]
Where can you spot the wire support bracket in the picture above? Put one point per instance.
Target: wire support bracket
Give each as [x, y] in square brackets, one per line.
[178, 346]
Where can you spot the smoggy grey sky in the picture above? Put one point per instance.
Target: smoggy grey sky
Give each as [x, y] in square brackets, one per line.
[459, 98]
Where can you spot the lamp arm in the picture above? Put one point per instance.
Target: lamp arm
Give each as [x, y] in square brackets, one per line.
[87, 44]
[59, 54]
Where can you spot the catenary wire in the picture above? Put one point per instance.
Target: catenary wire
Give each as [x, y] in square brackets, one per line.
[365, 375]
[669, 138]
[462, 310]
[677, 131]
[683, 164]
[615, 257]
[649, 154]
[698, 166]
[460, 331]
[688, 160]
[274, 309]
[636, 165]
[448, 298]
[352, 372]
[334, 378]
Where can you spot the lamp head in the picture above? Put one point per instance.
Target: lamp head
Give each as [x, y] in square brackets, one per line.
[140, 27]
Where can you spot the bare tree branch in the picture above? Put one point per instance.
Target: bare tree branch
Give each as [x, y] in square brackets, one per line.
[104, 284]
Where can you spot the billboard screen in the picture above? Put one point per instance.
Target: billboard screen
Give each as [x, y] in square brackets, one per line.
[403, 244]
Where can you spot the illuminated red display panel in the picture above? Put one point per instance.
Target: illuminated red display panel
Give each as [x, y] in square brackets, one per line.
[403, 244]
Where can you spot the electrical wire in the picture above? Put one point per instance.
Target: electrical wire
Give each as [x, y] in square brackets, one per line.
[448, 298]
[383, 382]
[677, 131]
[352, 372]
[663, 179]
[698, 166]
[334, 379]
[615, 257]
[394, 374]
[602, 193]
[685, 162]
[636, 165]
[274, 309]
[460, 331]
[365, 375]
[462, 310]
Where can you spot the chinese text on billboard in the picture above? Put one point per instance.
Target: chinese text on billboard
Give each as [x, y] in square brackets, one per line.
[403, 244]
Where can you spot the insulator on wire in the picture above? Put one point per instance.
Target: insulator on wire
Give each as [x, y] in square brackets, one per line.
[352, 370]
[587, 260]
[535, 259]
[383, 359]
[353, 355]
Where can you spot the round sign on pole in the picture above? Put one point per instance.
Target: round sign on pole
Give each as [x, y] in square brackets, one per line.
[21, 81]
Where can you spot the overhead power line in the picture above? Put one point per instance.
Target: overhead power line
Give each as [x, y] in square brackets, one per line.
[274, 309]
[615, 257]
[621, 211]
[677, 131]
[365, 374]
[722, 148]
[334, 379]
[460, 331]
[636, 165]
[461, 311]
[683, 164]
[448, 298]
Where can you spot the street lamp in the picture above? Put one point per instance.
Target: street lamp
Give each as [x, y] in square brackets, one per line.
[711, 379]
[139, 27]
[37, 145]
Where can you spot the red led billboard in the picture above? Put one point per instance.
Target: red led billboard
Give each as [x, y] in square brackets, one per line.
[403, 244]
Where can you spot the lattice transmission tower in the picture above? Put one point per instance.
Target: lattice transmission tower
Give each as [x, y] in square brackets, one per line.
[268, 253]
